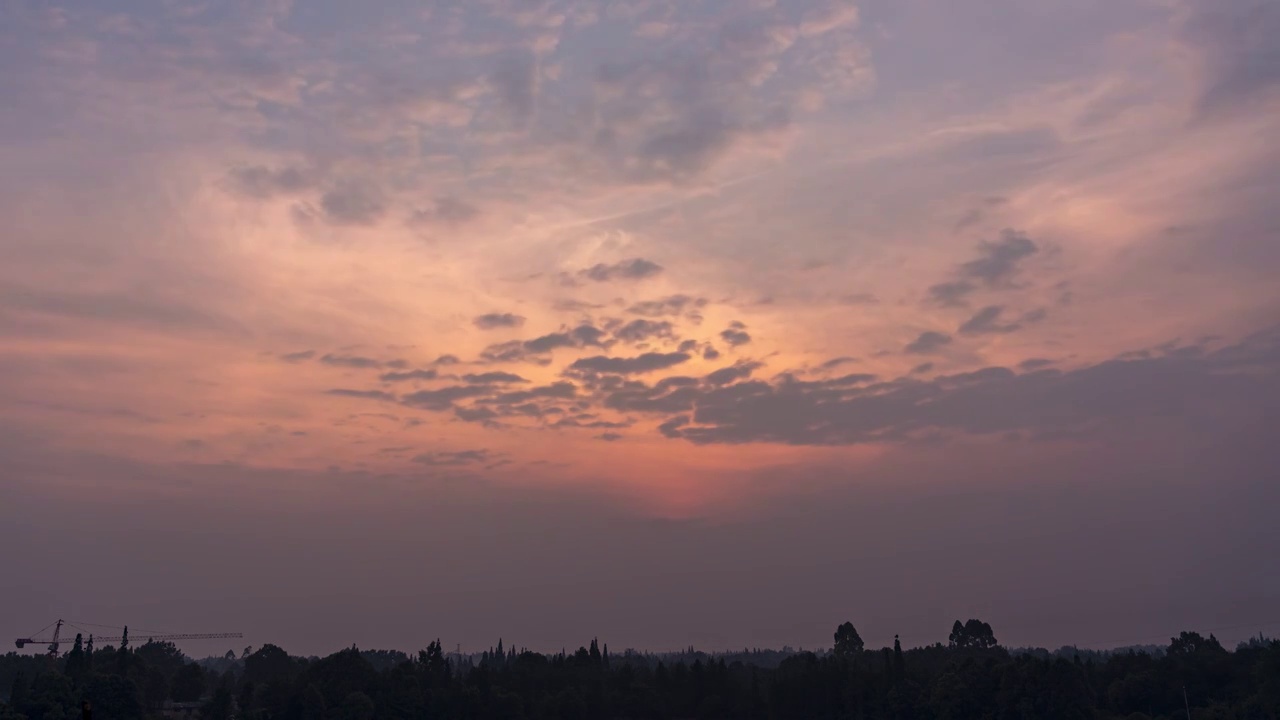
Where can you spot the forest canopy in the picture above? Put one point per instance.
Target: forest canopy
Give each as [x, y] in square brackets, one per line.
[970, 676]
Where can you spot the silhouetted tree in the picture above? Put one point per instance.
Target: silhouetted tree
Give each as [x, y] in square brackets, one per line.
[220, 705]
[188, 683]
[270, 664]
[115, 697]
[19, 690]
[77, 665]
[313, 705]
[1191, 643]
[972, 634]
[356, 706]
[848, 641]
[155, 688]
[123, 657]
[164, 656]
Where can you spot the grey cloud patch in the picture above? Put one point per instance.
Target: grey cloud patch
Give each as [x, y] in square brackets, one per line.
[927, 342]
[552, 341]
[547, 343]
[648, 362]
[297, 357]
[736, 334]
[1237, 43]
[669, 395]
[365, 394]
[557, 390]
[609, 437]
[688, 146]
[922, 368]
[837, 362]
[671, 428]
[684, 152]
[352, 204]
[515, 83]
[996, 266]
[491, 406]
[952, 294]
[1035, 364]
[672, 305]
[588, 420]
[350, 361]
[641, 330]
[491, 378]
[428, 374]
[447, 210]
[710, 353]
[1174, 383]
[514, 350]
[454, 458]
[987, 321]
[571, 305]
[482, 415]
[998, 260]
[261, 182]
[668, 107]
[493, 321]
[978, 213]
[588, 336]
[446, 360]
[443, 398]
[725, 376]
[631, 269]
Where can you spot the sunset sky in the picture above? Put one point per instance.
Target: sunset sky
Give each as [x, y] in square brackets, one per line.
[665, 321]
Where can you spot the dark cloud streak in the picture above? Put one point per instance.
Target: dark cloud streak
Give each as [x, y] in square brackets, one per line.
[648, 362]
[494, 321]
[927, 342]
[632, 269]
[987, 321]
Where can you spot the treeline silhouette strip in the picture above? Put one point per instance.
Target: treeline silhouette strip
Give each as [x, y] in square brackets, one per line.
[970, 676]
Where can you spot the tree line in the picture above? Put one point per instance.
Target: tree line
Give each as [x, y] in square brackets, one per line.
[969, 677]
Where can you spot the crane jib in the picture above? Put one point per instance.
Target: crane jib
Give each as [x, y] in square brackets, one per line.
[57, 639]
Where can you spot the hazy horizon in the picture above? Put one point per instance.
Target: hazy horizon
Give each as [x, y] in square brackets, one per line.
[714, 323]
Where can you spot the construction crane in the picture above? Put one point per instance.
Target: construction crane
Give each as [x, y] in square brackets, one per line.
[57, 638]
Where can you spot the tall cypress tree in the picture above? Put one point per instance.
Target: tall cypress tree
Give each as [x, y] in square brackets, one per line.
[122, 655]
[77, 666]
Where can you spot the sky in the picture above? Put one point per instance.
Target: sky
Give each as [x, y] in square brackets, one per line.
[710, 322]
